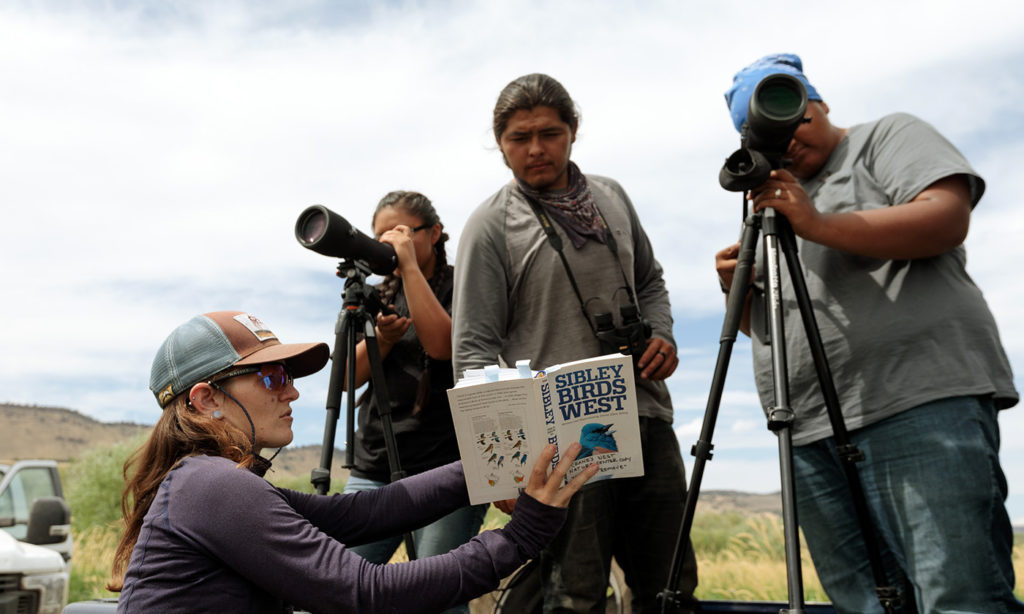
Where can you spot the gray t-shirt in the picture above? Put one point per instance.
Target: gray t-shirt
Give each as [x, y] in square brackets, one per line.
[513, 299]
[897, 333]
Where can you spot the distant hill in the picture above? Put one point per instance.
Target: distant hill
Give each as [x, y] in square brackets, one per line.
[30, 431]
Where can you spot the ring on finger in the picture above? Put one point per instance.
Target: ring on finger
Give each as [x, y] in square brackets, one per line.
[778, 192]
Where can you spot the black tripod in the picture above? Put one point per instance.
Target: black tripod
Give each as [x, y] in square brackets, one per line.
[360, 304]
[778, 234]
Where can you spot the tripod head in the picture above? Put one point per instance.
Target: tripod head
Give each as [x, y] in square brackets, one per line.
[357, 293]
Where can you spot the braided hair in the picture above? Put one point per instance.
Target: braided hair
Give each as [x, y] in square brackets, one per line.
[417, 205]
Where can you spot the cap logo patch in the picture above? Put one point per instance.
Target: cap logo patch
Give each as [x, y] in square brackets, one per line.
[255, 326]
[164, 396]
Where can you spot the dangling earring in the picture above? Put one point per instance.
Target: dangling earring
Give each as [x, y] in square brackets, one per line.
[217, 415]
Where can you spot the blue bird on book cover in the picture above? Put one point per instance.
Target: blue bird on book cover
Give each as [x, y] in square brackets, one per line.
[597, 439]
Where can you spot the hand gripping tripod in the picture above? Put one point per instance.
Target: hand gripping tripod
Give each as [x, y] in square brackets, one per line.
[778, 234]
[360, 304]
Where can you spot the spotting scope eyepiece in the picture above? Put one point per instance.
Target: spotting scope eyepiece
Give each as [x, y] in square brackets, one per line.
[325, 232]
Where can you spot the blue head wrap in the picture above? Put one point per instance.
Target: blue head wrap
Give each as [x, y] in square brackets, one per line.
[743, 84]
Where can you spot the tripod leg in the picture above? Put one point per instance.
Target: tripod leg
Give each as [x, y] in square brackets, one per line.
[380, 391]
[780, 415]
[701, 451]
[343, 338]
[888, 595]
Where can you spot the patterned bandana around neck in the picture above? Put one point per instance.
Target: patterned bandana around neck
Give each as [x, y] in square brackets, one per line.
[573, 208]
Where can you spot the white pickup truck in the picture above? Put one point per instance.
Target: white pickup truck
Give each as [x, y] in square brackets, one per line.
[35, 538]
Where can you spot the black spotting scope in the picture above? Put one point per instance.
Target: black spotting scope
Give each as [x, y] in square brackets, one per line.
[325, 232]
[777, 107]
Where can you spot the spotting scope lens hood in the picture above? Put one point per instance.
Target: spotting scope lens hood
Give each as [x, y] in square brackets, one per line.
[325, 232]
[776, 109]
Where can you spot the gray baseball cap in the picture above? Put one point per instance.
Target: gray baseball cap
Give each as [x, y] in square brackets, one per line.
[212, 342]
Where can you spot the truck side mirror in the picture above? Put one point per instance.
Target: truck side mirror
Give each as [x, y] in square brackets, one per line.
[49, 521]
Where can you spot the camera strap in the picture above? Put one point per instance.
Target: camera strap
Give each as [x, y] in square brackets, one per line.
[556, 244]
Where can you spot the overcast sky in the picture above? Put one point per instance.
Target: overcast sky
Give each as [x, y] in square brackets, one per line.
[154, 157]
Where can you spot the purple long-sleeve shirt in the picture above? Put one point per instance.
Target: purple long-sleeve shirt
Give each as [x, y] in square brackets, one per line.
[222, 539]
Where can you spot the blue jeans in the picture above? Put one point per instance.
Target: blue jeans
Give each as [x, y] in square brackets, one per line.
[635, 519]
[439, 537]
[935, 493]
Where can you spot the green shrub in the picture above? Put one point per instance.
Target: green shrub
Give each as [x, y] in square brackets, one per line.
[94, 485]
[711, 533]
[300, 483]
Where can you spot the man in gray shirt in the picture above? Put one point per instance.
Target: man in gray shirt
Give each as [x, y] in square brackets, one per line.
[880, 211]
[516, 298]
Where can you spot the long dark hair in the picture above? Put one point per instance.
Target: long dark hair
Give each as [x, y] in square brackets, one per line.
[180, 432]
[528, 92]
[417, 205]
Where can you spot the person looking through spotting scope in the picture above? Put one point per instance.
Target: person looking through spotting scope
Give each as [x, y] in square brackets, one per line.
[516, 298]
[416, 347]
[880, 211]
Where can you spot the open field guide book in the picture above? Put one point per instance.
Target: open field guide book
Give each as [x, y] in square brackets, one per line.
[504, 418]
